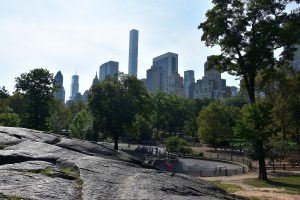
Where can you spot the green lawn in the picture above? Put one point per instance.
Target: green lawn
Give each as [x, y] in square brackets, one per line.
[230, 188]
[290, 183]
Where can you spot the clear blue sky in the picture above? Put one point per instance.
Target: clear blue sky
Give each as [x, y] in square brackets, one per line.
[70, 35]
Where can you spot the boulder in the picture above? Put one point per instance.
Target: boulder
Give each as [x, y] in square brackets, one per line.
[39, 165]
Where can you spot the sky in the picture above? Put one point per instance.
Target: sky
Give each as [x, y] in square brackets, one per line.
[77, 36]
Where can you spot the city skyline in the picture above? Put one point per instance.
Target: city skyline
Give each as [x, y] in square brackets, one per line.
[70, 36]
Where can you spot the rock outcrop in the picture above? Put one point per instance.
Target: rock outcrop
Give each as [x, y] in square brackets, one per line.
[38, 165]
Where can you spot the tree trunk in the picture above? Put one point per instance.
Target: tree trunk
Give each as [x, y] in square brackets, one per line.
[249, 84]
[298, 139]
[262, 174]
[116, 147]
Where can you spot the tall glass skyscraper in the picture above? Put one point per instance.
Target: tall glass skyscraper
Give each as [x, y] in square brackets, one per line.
[109, 68]
[189, 82]
[74, 86]
[60, 92]
[133, 52]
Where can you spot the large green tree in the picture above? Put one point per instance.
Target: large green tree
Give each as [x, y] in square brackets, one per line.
[248, 33]
[172, 112]
[215, 124]
[60, 117]
[114, 104]
[256, 127]
[82, 125]
[282, 90]
[38, 86]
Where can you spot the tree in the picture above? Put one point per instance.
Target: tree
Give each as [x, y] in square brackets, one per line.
[177, 145]
[60, 117]
[236, 101]
[248, 33]
[171, 112]
[3, 93]
[255, 127]
[114, 104]
[38, 87]
[282, 89]
[8, 117]
[82, 125]
[214, 124]
[141, 128]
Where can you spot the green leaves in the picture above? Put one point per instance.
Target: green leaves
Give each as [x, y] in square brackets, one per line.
[38, 87]
[256, 127]
[248, 33]
[82, 125]
[215, 124]
[115, 103]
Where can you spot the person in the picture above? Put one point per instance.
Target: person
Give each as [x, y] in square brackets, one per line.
[170, 167]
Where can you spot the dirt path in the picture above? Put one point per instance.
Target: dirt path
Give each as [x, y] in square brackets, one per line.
[250, 191]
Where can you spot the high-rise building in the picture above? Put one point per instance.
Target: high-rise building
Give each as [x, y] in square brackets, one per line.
[211, 85]
[154, 79]
[175, 84]
[96, 80]
[85, 95]
[60, 90]
[133, 52]
[74, 86]
[109, 68]
[189, 84]
[168, 62]
[163, 75]
[296, 60]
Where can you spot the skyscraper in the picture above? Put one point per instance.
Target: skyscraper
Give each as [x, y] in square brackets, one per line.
[109, 68]
[74, 86]
[153, 80]
[60, 92]
[296, 60]
[96, 80]
[164, 76]
[211, 85]
[168, 62]
[133, 52]
[189, 83]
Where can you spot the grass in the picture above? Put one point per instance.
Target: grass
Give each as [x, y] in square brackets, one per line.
[230, 188]
[46, 172]
[65, 172]
[9, 197]
[76, 175]
[289, 183]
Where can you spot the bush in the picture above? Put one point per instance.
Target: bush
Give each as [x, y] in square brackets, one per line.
[177, 145]
[198, 154]
[9, 118]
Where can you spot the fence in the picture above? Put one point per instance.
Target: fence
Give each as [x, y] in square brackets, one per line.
[203, 172]
[213, 173]
[238, 159]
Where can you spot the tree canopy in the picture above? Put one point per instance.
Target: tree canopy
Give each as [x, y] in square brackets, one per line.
[255, 127]
[114, 104]
[38, 86]
[248, 32]
[214, 124]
